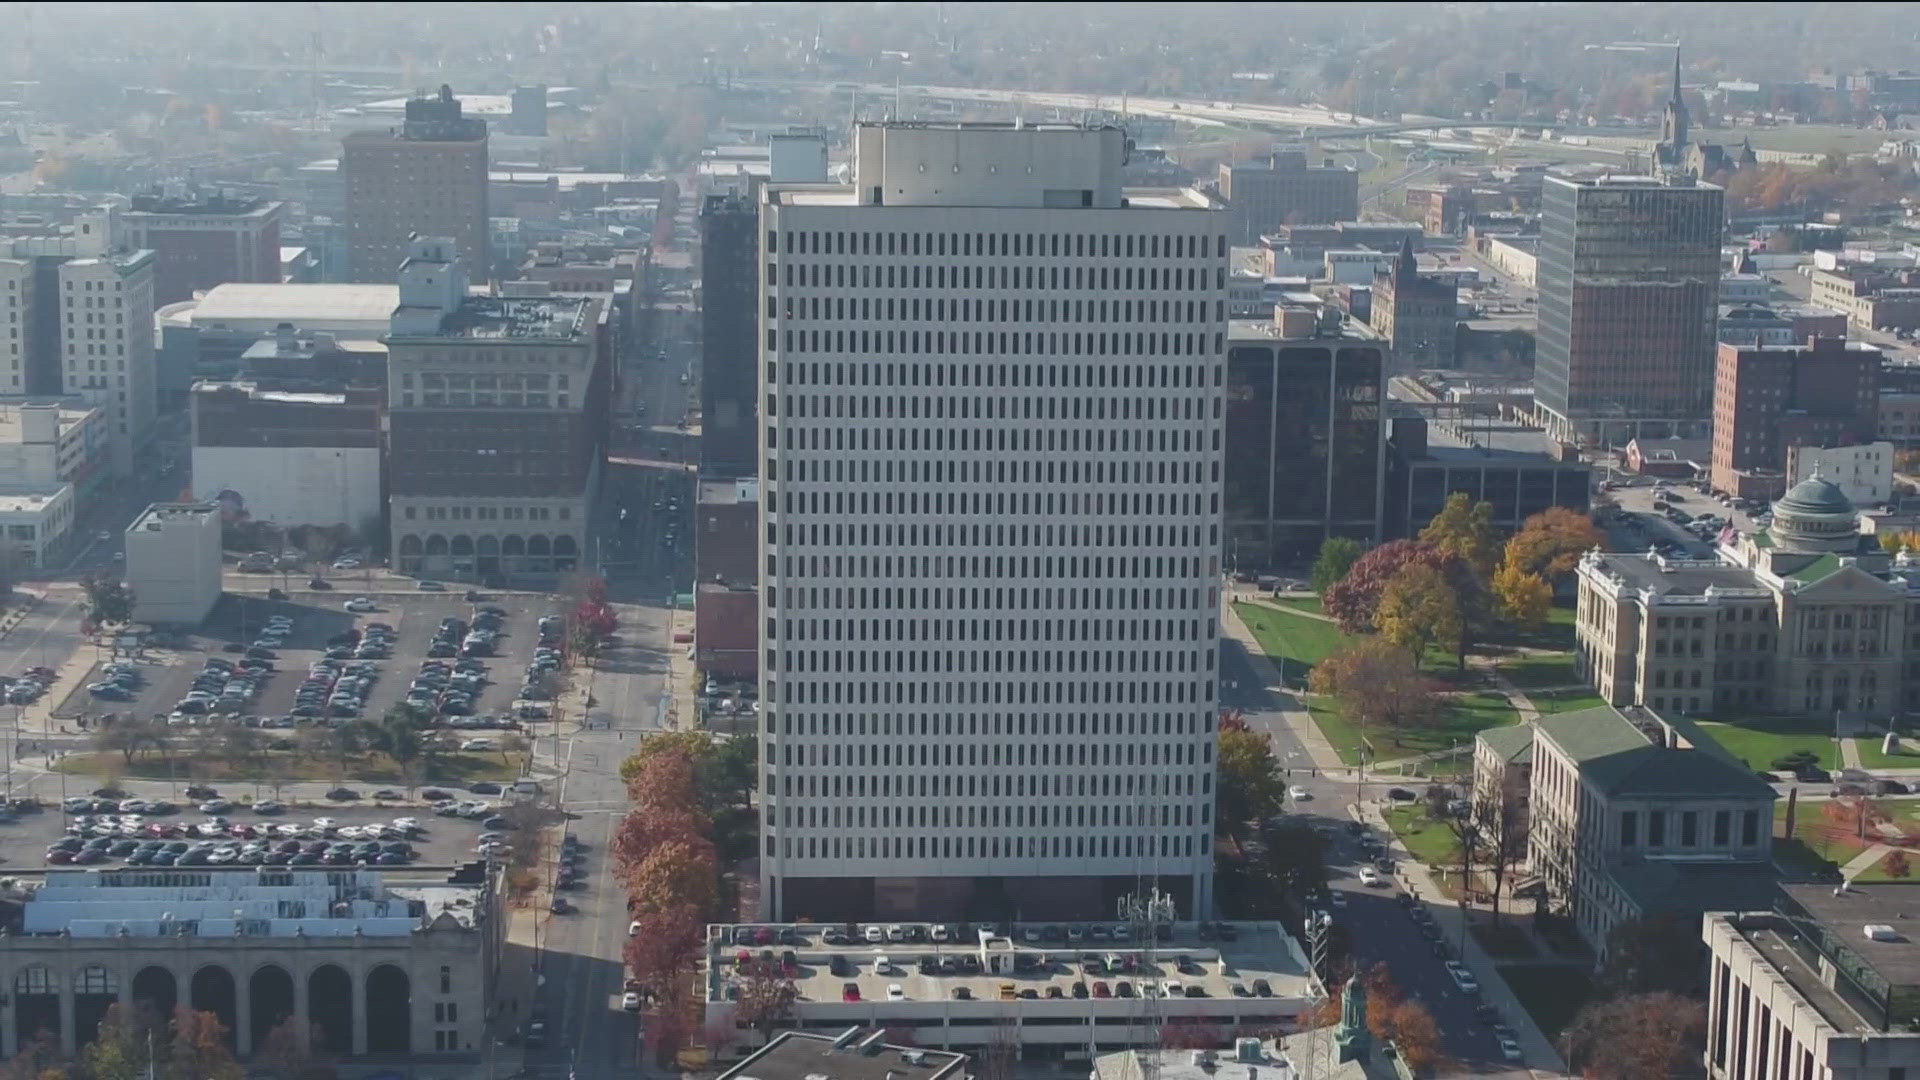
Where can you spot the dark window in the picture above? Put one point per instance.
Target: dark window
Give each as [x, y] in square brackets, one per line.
[1656, 828]
[1722, 828]
[1750, 828]
[1689, 829]
[1629, 822]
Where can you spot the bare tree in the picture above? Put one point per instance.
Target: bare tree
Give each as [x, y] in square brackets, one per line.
[1002, 1055]
[1501, 821]
[1441, 809]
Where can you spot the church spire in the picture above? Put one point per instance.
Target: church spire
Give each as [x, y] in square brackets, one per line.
[1676, 76]
[1406, 267]
[1672, 150]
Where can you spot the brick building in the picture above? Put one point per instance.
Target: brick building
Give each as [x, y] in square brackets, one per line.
[1768, 398]
[1415, 313]
[199, 241]
[427, 176]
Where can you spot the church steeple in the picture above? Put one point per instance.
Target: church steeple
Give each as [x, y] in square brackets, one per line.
[1405, 268]
[1673, 127]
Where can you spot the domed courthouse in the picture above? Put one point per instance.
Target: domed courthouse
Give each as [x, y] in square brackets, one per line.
[1805, 616]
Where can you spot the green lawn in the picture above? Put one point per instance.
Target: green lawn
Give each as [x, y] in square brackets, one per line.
[1534, 670]
[1426, 840]
[1551, 993]
[1293, 642]
[1872, 758]
[1761, 740]
[1308, 604]
[1465, 715]
[1877, 873]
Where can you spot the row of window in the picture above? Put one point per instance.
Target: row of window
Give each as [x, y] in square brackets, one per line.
[490, 513]
[990, 691]
[1121, 374]
[840, 308]
[993, 815]
[939, 534]
[998, 245]
[433, 380]
[1183, 846]
[1130, 785]
[1130, 277]
[505, 399]
[1000, 505]
[984, 407]
[976, 725]
[1127, 752]
[992, 343]
[1689, 830]
[861, 598]
[1102, 442]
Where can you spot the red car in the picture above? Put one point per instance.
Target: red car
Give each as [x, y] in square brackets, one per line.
[848, 991]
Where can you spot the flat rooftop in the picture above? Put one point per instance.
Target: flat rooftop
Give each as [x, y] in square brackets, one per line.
[856, 1054]
[160, 514]
[1859, 906]
[1132, 198]
[299, 304]
[1245, 330]
[10, 420]
[957, 970]
[1676, 577]
[28, 498]
[528, 318]
[208, 205]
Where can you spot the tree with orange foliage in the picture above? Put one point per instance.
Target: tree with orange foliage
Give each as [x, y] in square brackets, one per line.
[1637, 1036]
[664, 951]
[1856, 813]
[677, 872]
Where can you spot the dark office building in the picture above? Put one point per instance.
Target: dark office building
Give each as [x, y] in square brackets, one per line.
[1285, 190]
[729, 380]
[1518, 470]
[1629, 278]
[1304, 437]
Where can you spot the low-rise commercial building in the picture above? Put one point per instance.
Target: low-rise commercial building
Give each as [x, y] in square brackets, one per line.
[1285, 190]
[173, 563]
[51, 442]
[291, 458]
[36, 524]
[1514, 467]
[1416, 314]
[962, 987]
[1814, 981]
[361, 964]
[202, 240]
[1869, 296]
[1631, 814]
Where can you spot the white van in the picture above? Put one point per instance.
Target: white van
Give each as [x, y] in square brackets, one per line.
[527, 787]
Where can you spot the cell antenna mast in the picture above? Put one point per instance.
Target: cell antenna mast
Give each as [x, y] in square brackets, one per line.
[1145, 911]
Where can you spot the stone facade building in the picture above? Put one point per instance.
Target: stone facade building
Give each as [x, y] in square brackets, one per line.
[1415, 314]
[371, 968]
[1806, 616]
[1632, 813]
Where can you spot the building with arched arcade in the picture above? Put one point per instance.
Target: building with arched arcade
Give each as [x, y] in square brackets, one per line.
[372, 969]
[497, 424]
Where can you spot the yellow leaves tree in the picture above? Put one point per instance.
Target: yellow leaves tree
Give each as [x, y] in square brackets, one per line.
[1464, 529]
[1420, 608]
[1525, 598]
[1550, 543]
[679, 871]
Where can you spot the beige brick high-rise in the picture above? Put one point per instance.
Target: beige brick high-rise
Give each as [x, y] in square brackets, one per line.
[427, 176]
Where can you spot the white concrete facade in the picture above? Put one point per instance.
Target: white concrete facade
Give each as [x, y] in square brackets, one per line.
[35, 521]
[173, 562]
[16, 315]
[990, 515]
[1864, 472]
[106, 344]
[293, 485]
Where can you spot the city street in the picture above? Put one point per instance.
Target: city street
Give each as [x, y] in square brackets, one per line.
[1380, 928]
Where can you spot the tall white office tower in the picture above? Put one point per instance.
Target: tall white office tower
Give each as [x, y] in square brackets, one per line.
[991, 387]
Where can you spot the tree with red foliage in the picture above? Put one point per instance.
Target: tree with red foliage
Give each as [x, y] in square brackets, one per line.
[1355, 599]
[664, 952]
[1189, 1033]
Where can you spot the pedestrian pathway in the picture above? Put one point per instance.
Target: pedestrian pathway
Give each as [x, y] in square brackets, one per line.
[1864, 861]
[1850, 753]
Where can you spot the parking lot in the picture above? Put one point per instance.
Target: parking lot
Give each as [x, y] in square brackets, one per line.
[316, 631]
[321, 831]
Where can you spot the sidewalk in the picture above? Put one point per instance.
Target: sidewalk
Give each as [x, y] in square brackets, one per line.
[1540, 1054]
[1298, 719]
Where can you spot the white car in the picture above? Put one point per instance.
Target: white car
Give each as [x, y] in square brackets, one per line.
[1463, 978]
[633, 928]
[1370, 877]
[1510, 1049]
[324, 823]
[346, 564]
[895, 992]
[1298, 793]
[630, 1001]
[360, 604]
[477, 744]
[873, 934]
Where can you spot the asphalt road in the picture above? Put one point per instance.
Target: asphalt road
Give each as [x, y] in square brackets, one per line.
[579, 953]
[1380, 928]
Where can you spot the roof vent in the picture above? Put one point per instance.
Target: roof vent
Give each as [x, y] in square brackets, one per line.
[1881, 932]
[914, 1057]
